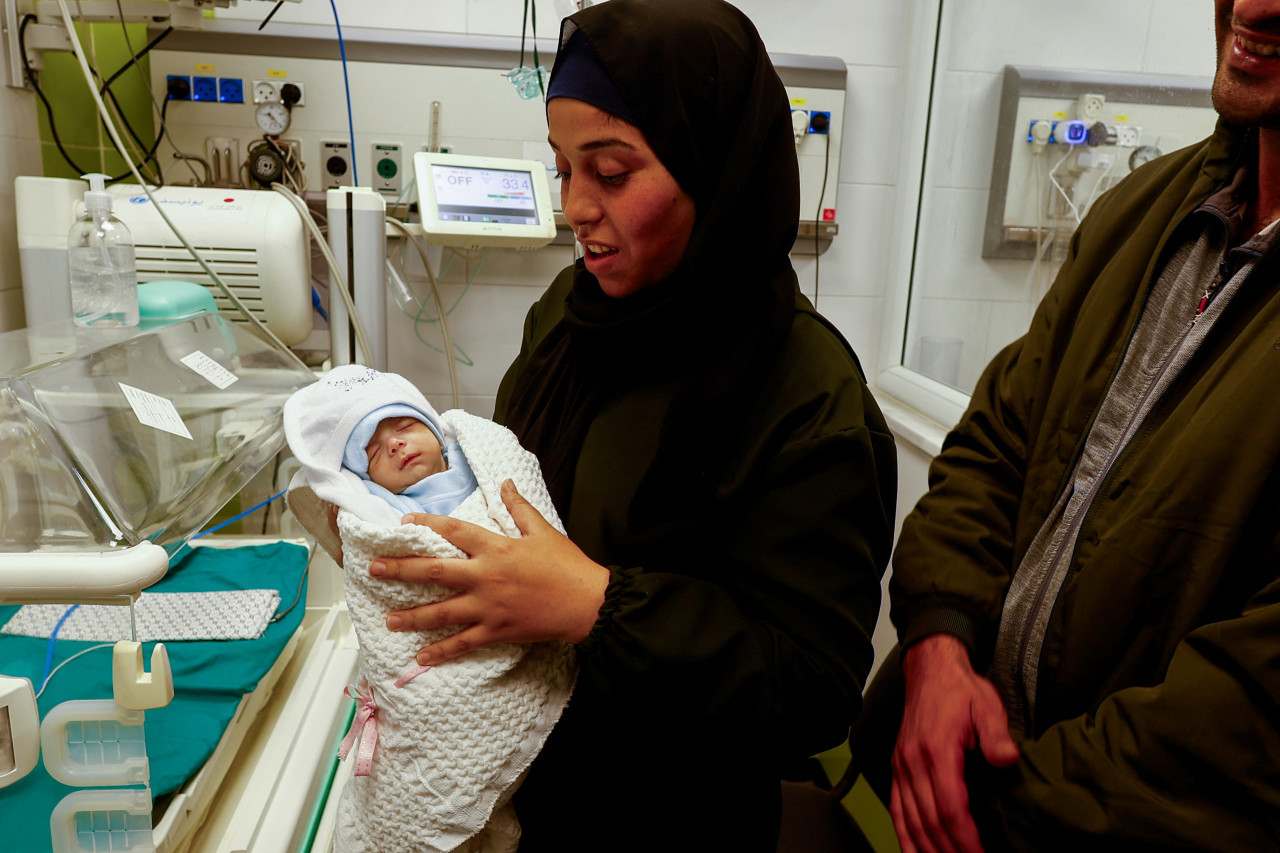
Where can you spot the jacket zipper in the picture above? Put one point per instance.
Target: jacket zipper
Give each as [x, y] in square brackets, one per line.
[1242, 150]
[1223, 269]
[1086, 509]
[1113, 459]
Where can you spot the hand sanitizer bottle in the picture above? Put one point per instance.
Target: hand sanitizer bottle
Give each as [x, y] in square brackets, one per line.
[100, 257]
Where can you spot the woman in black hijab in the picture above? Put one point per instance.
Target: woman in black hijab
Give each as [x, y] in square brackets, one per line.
[724, 475]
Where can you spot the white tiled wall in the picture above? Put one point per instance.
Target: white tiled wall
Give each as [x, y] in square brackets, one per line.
[19, 155]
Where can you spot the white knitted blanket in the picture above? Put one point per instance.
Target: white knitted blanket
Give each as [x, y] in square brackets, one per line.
[455, 741]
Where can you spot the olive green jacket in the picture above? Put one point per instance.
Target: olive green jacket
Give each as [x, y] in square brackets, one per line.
[729, 645]
[1158, 704]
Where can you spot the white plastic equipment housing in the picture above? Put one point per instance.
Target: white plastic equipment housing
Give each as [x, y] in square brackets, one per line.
[116, 819]
[103, 576]
[20, 724]
[135, 688]
[93, 743]
[439, 221]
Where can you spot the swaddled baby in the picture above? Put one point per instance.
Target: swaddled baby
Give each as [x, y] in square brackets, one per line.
[401, 453]
[439, 750]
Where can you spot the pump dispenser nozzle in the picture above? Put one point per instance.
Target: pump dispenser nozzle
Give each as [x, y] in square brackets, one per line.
[97, 198]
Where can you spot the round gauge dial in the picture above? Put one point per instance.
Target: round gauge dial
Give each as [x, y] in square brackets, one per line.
[272, 118]
[1143, 154]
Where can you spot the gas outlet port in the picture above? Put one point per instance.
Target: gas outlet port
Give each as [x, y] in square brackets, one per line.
[335, 163]
[386, 166]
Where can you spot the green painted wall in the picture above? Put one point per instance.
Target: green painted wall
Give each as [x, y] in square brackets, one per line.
[83, 136]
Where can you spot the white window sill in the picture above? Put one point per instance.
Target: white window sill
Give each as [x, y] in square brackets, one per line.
[905, 416]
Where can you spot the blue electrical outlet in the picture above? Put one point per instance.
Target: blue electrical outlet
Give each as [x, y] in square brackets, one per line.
[178, 87]
[204, 89]
[230, 90]
[819, 121]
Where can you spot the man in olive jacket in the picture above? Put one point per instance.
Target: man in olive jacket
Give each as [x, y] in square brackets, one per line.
[1088, 598]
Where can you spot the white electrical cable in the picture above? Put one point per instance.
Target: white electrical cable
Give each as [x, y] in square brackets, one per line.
[1033, 273]
[1098, 187]
[120, 147]
[435, 293]
[54, 671]
[1041, 242]
[1071, 204]
[362, 341]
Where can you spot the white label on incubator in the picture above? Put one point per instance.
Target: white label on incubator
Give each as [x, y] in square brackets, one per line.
[209, 369]
[155, 411]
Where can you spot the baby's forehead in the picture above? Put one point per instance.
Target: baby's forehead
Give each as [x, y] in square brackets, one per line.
[393, 422]
[397, 420]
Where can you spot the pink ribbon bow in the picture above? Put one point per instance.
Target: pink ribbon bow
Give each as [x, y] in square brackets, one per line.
[364, 726]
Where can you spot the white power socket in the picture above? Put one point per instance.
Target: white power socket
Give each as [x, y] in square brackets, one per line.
[1089, 106]
[268, 91]
[799, 124]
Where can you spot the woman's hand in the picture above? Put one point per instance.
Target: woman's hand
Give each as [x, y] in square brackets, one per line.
[540, 587]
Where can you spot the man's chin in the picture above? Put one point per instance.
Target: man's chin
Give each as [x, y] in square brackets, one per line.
[1239, 104]
[1265, 120]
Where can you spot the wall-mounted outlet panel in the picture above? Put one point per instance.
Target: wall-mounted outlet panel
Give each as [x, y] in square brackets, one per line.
[335, 163]
[1037, 190]
[388, 175]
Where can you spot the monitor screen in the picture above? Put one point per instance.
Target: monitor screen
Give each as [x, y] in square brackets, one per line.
[483, 201]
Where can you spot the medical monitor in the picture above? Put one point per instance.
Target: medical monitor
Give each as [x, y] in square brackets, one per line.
[471, 202]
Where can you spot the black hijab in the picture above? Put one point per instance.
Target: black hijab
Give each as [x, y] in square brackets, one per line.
[699, 84]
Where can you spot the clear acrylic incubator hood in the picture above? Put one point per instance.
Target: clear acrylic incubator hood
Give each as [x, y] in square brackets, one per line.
[117, 445]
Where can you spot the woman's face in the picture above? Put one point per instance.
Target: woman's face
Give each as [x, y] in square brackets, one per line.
[631, 217]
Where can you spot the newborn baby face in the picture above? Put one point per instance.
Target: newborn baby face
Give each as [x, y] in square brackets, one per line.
[403, 451]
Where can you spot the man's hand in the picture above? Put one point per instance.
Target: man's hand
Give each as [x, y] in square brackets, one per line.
[539, 587]
[950, 709]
